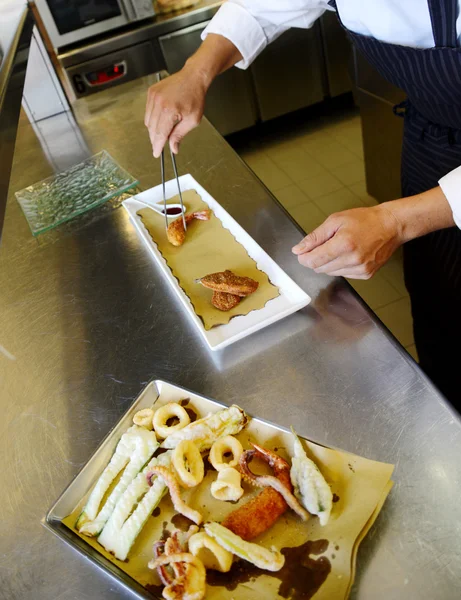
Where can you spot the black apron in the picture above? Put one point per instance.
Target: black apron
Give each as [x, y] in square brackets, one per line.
[431, 79]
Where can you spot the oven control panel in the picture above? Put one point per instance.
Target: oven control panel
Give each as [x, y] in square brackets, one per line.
[112, 69]
[106, 74]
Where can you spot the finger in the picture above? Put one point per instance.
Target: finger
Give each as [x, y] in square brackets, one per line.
[180, 131]
[153, 122]
[341, 262]
[317, 237]
[331, 250]
[165, 124]
[357, 272]
[149, 107]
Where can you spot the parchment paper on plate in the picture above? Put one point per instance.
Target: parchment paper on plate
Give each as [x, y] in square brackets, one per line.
[209, 248]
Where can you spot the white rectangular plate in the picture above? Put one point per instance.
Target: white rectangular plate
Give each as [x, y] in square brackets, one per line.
[291, 298]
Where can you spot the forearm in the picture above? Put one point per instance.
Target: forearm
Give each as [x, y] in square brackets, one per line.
[215, 55]
[417, 215]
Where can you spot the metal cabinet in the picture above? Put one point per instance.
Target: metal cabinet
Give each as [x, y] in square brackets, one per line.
[230, 104]
[382, 130]
[288, 75]
[337, 50]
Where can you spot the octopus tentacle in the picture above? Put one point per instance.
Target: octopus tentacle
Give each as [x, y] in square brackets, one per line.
[280, 465]
[188, 587]
[165, 577]
[173, 485]
[174, 544]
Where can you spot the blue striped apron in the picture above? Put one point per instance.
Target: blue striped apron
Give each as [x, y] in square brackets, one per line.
[431, 78]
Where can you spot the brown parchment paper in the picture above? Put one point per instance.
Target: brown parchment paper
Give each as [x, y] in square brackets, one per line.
[209, 248]
[361, 486]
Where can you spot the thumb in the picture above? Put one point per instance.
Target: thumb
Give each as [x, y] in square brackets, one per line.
[317, 237]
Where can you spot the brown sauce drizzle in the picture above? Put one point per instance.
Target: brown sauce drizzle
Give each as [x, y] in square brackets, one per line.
[192, 414]
[300, 577]
[155, 590]
[181, 522]
[189, 410]
[156, 511]
[206, 464]
[335, 498]
[165, 532]
[160, 451]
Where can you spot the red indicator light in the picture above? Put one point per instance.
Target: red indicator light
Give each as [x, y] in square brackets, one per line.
[116, 68]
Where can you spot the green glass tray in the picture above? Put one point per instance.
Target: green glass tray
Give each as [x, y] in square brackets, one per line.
[63, 196]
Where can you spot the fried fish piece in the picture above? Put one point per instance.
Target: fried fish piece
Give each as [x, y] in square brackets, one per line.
[224, 301]
[175, 232]
[229, 283]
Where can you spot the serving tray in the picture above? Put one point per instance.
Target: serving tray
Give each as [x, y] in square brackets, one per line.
[291, 299]
[359, 485]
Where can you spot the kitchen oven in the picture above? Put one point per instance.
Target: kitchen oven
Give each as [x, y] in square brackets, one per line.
[69, 22]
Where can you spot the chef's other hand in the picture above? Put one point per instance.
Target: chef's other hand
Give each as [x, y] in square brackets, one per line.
[174, 107]
[354, 243]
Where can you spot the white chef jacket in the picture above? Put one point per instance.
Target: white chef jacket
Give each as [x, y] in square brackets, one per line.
[252, 24]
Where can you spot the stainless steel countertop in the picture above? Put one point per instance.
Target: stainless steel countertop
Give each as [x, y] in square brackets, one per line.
[87, 320]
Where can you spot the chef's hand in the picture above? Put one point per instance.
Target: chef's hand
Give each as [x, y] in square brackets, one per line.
[175, 105]
[354, 243]
[357, 242]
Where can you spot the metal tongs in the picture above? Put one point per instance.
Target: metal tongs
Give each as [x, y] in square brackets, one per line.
[162, 170]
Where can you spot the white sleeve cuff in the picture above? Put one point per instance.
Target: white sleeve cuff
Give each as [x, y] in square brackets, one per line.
[451, 187]
[233, 22]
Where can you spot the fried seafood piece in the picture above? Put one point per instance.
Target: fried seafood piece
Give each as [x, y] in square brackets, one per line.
[172, 484]
[175, 232]
[227, 486]
[230, 283]
[212, 555]
[256, 516]
[309, 484]
[260, 513]
[263, 558]
[163, 414]
[269, 480]
[224, 301]
[220, 449]
[189, 586]
[188, 464]
[174, 544]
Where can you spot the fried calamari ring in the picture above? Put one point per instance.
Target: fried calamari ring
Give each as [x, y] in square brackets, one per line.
[166, 412]
[227, 486]
[143, 418]
[188, 464]
[212, 555]
[223, 446]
